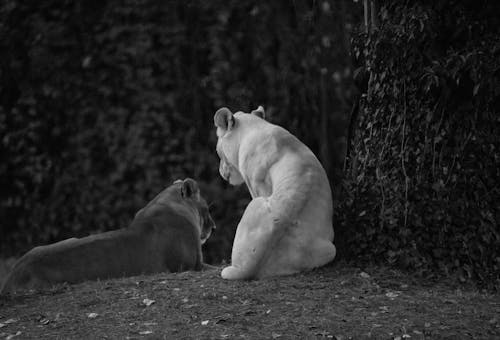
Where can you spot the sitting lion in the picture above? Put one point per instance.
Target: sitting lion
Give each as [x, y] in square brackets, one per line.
[165, 235]
[287, 227]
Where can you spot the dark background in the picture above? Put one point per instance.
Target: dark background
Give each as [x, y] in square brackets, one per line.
[104, 103]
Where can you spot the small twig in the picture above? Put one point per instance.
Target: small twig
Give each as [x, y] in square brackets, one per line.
[367, 149]
[434, 145]
[386, 135]
[382, 208]
[426, 141]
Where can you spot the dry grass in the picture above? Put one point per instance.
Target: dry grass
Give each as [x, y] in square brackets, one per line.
[336, 302]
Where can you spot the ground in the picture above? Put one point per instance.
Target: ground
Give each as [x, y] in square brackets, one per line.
[336, 302]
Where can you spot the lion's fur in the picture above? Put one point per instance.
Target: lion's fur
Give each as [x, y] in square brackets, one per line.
[166, 235]
[287, 227]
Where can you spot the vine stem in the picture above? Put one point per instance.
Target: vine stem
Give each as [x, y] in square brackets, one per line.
[403, 155]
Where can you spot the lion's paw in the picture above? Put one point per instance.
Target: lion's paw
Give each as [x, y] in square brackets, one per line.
[233, 273]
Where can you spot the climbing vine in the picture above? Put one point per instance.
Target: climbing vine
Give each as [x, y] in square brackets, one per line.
[423, 178]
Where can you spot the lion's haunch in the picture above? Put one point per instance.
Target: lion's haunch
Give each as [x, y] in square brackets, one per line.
[287, 227]
[166, 235]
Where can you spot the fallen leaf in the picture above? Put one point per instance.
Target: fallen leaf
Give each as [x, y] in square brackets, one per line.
[364, 275]
[148, 302]
[392, 295]
[323, 334]
[10, 321]
[86, 61]
[204, 323]
[44, 321]
[11, 336]
[92, 315]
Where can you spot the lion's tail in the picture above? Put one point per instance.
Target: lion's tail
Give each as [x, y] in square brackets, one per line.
[17, 278]
[7, 286]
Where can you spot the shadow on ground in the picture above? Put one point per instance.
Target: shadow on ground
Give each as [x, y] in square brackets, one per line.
[335, 302]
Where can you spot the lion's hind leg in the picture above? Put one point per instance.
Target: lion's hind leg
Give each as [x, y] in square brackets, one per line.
[321, 252]
[255, 238]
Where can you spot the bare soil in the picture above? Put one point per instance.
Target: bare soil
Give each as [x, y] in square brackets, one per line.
[335, 302]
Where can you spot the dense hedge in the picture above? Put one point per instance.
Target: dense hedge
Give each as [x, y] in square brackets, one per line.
[423, 177]
[103, 103]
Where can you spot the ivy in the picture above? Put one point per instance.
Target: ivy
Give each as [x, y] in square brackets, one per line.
[423, 178]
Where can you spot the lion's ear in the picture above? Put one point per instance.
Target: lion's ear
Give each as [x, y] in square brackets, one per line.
[224, 119]
[190, 189]
[259, 112]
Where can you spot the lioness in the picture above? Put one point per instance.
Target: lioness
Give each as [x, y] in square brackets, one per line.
[287, 227]
[165, 235]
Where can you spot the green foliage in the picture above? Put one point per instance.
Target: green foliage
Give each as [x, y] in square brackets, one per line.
[423, 180]
[102, 104]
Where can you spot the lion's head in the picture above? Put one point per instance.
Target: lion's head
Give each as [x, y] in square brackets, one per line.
[229, 126]
[185, 193]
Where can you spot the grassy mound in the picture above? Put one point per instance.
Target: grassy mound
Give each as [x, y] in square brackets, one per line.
[336, 302]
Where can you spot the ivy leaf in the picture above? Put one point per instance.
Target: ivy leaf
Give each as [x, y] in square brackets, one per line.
[476, 89]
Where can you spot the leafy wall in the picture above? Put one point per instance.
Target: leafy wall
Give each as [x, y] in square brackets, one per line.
[423, 176]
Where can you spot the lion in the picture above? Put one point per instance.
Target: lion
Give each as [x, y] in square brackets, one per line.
[287, 227]
[164, 236]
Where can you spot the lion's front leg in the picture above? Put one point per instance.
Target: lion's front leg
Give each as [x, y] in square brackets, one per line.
[256, 235]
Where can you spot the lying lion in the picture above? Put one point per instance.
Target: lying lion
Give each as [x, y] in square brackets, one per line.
[165, 235]
[287, 227]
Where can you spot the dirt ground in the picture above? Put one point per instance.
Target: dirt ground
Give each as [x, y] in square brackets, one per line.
[335, 302]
